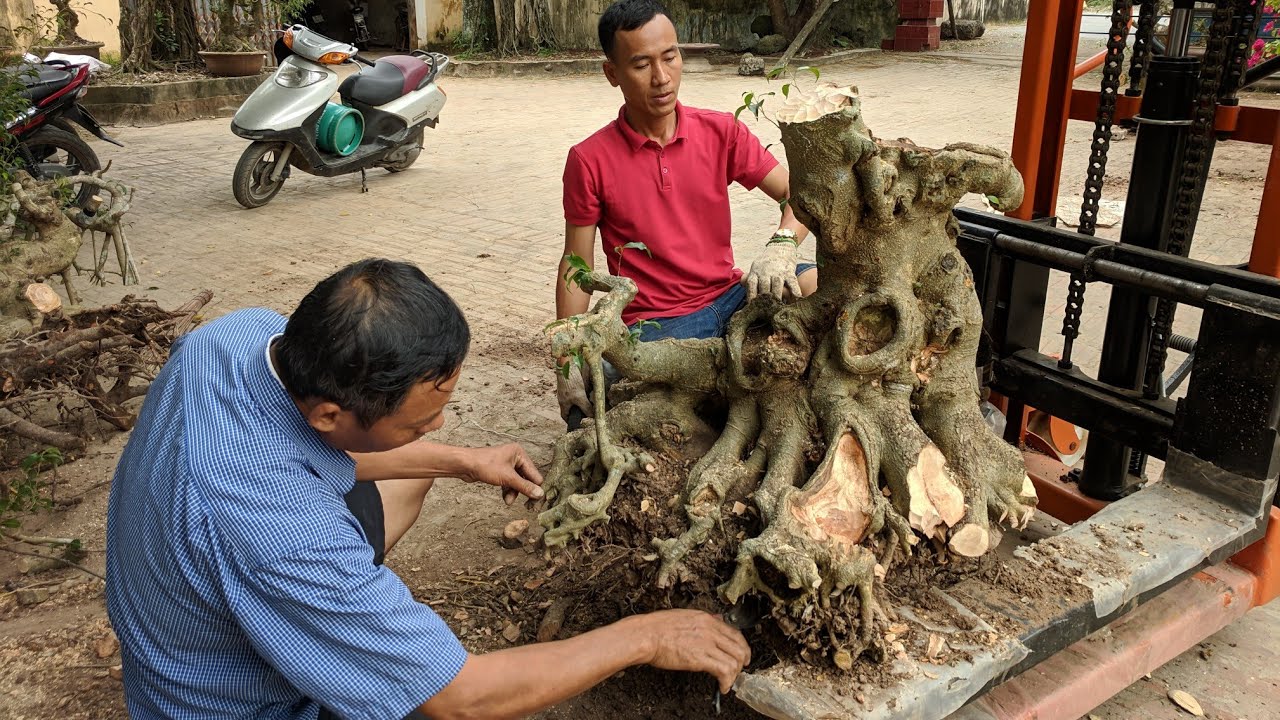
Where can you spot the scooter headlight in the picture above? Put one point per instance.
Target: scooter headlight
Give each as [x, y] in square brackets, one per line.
[292, 76]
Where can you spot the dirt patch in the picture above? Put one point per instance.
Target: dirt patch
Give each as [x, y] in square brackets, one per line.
[1041, 584]
[116, 77]
[49, 663]
[65, 669]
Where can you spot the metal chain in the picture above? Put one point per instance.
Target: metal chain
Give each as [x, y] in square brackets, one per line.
[1199, 142]
[1244, 28]
[1190, 182]
[1112, 66]
[1142, 47]
[1071, 319]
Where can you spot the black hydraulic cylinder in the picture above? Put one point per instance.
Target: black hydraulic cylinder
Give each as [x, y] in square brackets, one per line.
[1163, 124]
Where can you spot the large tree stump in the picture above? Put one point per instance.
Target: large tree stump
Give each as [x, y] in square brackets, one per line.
[852, 416]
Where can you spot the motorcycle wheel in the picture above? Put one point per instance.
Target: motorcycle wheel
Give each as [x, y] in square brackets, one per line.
[57, 147]
[411, 157]
[252, 183]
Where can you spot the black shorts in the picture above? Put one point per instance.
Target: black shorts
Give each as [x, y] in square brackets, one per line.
[365, 502]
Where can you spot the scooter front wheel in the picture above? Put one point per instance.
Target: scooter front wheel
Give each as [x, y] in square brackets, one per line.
[252, 183]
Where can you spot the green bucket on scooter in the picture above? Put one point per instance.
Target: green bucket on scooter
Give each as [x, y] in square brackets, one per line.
[340, 129]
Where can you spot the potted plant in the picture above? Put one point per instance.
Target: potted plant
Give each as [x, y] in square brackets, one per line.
[237, 49]
[66, 37]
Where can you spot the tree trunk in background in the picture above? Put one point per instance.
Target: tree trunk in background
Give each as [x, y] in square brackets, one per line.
[155, 32]
[523, 25]
[479, 26]
[535, 31]
[137, 33]
[504, 12]
[786, 24]
[68, 23]
[819, 16]
[182, 23]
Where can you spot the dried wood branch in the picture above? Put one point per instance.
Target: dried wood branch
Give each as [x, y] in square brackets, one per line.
[95, 360]
[27, 429]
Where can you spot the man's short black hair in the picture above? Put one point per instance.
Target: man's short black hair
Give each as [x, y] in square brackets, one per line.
[626, 15]
[366, 335]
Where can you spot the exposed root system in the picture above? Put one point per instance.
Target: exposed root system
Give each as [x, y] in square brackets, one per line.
[825, 443]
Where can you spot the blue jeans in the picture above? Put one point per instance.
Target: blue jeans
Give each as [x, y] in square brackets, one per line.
[711, 321]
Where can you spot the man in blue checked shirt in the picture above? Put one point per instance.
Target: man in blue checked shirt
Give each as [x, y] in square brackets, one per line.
[272, 466]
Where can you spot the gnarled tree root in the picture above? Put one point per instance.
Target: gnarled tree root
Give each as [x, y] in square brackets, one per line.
[850, 418]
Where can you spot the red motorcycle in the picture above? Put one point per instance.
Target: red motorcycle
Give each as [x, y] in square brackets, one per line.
[48, 145]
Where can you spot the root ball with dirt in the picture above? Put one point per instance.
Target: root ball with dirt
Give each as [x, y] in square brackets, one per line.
[821, 441]
[94, 360]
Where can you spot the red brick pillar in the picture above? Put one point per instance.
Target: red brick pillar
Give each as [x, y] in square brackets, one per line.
[918, 27]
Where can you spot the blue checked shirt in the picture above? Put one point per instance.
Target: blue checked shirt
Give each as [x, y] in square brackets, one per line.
[239, 583]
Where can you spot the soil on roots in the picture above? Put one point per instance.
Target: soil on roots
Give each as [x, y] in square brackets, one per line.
[611, 572]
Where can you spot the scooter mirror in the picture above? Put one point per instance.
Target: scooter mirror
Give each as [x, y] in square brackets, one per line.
[281, 50]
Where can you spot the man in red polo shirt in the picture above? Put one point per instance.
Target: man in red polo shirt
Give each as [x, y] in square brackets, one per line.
[659, 175]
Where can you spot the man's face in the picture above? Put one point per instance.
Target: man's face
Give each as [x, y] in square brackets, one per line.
[646, 65]
[421, 412]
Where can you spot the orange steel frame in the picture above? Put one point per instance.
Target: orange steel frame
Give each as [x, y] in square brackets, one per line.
[1046, 101]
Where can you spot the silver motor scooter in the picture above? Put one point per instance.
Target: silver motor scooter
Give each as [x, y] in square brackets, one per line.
[294, 123]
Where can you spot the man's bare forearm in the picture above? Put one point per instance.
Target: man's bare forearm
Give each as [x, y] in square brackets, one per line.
[419, 459]
[520, 681]
[777, 185]
[570, 299]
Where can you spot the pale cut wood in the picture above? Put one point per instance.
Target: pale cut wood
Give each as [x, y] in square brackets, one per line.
[971, 541]
[44, 298]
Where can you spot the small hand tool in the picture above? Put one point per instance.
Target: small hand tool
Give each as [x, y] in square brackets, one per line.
[746, 614]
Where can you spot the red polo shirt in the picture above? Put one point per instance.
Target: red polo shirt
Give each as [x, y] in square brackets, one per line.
[674, 199]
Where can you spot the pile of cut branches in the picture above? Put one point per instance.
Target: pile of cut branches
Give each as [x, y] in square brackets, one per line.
[95, 360]
[64, 369]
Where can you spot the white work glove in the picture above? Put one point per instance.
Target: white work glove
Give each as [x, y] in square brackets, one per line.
[774, 272]
[571, 392]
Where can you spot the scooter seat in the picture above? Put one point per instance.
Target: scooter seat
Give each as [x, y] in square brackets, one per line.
[40, 81]
[390, 77]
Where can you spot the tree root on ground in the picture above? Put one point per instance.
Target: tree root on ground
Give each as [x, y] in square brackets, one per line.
[41, 235]
[96, 359]
[849, 419]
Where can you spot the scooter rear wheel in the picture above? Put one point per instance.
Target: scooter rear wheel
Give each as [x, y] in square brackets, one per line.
[252, 182]
[410, 156]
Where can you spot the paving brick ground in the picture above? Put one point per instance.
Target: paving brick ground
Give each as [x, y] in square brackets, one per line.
[480, 212]
[488, 185]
